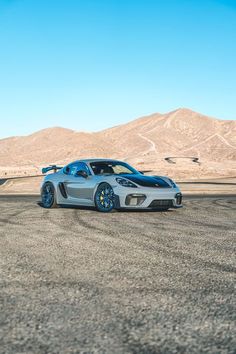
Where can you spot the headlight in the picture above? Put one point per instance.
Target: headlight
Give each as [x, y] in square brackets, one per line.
[172, 183]
[125, 183]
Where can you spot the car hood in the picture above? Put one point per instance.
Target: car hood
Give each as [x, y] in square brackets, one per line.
[148, 181]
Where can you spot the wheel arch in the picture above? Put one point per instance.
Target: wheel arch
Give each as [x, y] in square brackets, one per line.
[117, 198]
[55, 186]
[97, 185]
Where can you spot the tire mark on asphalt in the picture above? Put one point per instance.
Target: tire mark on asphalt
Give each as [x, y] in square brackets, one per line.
[88, 225]
[218, 202]
[78, 218]
[9, 221]
[72, 227]
[166, 251]
[97, 238]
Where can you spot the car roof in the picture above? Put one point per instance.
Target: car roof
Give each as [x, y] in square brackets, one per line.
[95, 160]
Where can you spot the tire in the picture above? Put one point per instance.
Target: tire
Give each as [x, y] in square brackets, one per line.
[104, 198]
[48, 196]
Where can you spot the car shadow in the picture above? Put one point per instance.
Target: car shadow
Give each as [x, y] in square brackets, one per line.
[122, 210]
[143, 210]
[66, 206]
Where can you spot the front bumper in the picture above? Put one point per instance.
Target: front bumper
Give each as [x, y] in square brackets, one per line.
[148, 198]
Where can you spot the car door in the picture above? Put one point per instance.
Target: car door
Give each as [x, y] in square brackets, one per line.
[78, 188]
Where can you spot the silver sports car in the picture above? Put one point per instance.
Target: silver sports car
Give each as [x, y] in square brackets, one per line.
[107, 184]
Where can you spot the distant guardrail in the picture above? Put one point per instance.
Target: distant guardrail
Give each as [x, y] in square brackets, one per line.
[208, 182]
[5, 179]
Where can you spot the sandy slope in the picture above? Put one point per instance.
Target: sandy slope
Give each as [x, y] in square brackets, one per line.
[144, 142]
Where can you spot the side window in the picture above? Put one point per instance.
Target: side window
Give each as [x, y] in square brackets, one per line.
[81, 166]
[75, 167]
[66, 170]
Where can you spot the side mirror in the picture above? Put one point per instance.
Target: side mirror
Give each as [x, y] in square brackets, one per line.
[82, 173]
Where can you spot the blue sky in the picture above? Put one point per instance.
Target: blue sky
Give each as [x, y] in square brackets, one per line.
[92, 64]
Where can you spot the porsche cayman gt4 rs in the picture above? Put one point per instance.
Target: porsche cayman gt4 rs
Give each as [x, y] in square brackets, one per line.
[107, 184]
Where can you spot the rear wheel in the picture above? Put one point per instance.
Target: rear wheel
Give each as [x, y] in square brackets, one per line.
[104, 198]
[48, 196]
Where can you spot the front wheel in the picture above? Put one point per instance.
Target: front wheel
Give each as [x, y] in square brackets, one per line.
[48, 196]
[104, 198]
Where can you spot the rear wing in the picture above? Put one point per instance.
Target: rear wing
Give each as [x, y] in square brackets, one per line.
[53, 168]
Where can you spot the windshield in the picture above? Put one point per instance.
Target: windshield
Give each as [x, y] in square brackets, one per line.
[112, 168]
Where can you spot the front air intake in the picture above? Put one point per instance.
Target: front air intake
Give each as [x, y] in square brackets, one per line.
[178, 198]
[135, 199]
[167, 203]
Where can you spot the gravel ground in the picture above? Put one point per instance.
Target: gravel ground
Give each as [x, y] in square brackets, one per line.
[78, 281]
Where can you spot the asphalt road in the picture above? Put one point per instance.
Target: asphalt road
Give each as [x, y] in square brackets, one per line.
[78, 281]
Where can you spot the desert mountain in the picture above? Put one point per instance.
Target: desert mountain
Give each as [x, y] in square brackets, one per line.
[145, 142]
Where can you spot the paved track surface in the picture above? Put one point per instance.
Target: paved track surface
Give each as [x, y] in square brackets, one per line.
[78, 281]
